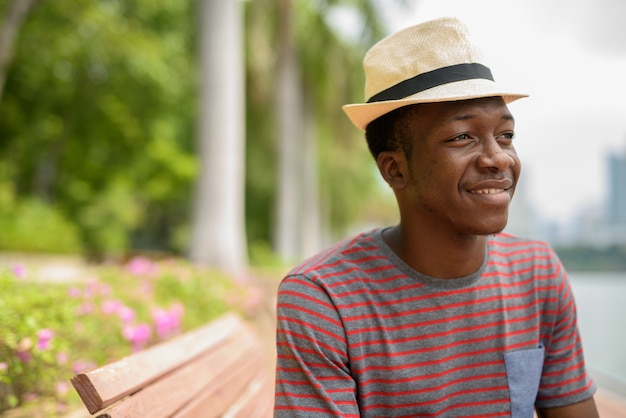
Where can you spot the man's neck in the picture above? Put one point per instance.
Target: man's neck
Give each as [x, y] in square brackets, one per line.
[437, 255]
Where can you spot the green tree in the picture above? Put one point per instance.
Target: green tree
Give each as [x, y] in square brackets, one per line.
[97, 118]
[100, 114]
[314, 141]
[10, 24]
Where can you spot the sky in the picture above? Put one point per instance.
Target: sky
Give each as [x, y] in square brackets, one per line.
[570, 56]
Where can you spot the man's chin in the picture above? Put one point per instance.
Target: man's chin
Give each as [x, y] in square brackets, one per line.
[491, 229]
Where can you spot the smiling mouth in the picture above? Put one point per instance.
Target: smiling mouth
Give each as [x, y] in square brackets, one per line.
[487, 191]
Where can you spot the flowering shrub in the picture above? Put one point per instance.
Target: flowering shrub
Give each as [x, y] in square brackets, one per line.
[51, 331]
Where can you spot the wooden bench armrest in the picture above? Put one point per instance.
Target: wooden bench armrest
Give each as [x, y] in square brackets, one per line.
[102, 387]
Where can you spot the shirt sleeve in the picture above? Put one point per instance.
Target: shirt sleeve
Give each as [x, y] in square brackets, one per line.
[564, 380]
[312, 373]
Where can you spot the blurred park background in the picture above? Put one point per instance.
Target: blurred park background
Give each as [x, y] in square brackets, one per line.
[158, 158]
[110, 108]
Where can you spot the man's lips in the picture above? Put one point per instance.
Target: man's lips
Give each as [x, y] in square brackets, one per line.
[487, 191]
[492, 186]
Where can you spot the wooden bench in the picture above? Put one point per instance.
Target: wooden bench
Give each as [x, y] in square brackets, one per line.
[218, 370]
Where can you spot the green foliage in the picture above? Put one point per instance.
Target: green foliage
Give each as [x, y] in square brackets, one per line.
[26, 310]
[31, 225]
[49, 332]
[107, 217]
[99, 120]
[261, 255]
[98, 116]
[331, 76]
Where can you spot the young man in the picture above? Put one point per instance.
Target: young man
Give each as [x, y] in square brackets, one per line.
[441, 315]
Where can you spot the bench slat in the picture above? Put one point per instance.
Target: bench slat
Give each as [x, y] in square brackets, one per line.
[256, 402]
[215, 401]
[102, 387]
[163, 397]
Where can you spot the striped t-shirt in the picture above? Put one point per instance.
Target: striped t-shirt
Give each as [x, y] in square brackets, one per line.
[360, 333]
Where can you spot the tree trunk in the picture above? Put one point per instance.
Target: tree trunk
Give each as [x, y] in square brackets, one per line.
[311, 228]
[287, 226]
[218, 231]
[286, 240]
[16, 13]
[297, 229]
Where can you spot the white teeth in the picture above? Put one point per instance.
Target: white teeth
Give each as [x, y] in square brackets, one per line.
[487, 191]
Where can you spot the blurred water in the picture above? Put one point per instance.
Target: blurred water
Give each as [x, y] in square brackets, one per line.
[601, 300]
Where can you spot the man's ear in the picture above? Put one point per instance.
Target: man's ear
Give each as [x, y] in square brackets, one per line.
[393, 167]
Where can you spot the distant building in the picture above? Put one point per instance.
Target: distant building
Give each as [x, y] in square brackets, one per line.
[616, 202]
[617, 188]
[596, 224]
[600, 224]
[523, 219]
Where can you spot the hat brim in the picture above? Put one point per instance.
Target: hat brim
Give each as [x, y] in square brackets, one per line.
[361, 114]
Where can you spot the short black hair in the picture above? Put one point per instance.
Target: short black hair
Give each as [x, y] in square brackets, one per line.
[388, 133]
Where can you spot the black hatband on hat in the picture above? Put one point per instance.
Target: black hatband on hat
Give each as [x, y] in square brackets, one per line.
[434, 78]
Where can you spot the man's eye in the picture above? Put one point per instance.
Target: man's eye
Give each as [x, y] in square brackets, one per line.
[462, 137]
[508, 136]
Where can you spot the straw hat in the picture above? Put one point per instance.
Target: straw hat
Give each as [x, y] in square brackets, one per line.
[426, 63]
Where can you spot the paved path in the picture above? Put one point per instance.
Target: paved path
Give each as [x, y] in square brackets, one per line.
[610, 405]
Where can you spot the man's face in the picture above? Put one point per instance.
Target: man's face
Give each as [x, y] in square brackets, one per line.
[463, 167]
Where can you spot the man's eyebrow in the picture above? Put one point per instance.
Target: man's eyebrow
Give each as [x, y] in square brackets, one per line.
[461, 117]
[508, 116]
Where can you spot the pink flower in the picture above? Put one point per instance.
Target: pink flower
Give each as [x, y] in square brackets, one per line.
[167, 322]
[140, 266]
[93, 287]
[126, 314]
[85, 308]
[146, 288]
[161, 320]
[30, 397]
[75, 292]
[105, 289]
[83, 366]
[19, 271]
[111, 306]
[44, 336]
[138, 335]
[62, 357]
[24, 350]
[178, 309]
[24, 356]
[3, 366]
[62, 388]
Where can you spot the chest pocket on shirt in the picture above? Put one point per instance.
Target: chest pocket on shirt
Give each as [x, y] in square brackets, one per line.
[523, 370]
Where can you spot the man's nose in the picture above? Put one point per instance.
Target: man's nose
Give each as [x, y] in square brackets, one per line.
[493, 157]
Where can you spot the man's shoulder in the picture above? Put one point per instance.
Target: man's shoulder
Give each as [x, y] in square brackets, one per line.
[354, 251]
[507, 242]
[509, 249]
